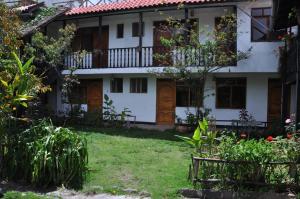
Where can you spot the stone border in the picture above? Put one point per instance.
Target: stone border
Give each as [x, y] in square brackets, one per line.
[223, 194]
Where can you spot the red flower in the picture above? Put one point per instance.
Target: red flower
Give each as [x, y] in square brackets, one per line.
[289, 136]
[270, 138]
[279, 37]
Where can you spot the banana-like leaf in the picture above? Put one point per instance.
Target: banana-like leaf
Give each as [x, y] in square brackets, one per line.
[24, 104]
[197, 134]
[19, 63]
[203, 125]
[28, 64]
[4, 83]
[187, 140]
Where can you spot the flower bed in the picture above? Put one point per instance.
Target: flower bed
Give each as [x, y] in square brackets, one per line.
[227, 161]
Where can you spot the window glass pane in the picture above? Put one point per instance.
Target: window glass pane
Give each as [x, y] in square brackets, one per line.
[238, 97]
[182, 96]
[267, 12]
[116, 85]
[257, 12]
[231, 93]
[120, 30]
[223, 97]
[196, 97]
[144, 85]
[138, 85]
[260, 29]
[135, 29]
[132, 85]
[87, 42]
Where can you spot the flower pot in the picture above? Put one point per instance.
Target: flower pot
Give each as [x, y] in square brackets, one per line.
[182, 128]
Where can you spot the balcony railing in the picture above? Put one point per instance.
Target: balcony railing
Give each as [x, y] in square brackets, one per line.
[136, 57]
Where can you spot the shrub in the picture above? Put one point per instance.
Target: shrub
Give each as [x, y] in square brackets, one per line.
[45, 155]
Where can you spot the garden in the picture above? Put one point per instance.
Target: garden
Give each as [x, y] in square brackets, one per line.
[227, 160]
[37, 153]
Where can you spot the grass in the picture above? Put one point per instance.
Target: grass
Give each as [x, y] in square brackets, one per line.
[144, 160]
[24, 195]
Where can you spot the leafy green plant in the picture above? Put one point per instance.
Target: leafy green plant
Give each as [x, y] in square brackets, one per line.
[18, 85]
[45, 155]
[111, 116]
[203, 140]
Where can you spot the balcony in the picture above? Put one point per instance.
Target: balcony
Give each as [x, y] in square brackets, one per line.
[136, 57]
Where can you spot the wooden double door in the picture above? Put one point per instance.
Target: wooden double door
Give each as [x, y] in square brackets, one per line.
[163, 29]
[166, 102]
[90, 40]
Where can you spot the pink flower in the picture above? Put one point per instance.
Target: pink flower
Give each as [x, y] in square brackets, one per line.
[287, 121]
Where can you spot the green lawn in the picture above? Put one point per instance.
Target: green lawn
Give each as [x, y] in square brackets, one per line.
[150, 161]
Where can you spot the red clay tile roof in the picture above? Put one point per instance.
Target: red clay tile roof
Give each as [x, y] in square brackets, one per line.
[133, 4]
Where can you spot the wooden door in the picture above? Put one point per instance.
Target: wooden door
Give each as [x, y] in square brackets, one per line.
[94, 95]
[274, 100]
[165, 102]
[161, 31]
[100, 46]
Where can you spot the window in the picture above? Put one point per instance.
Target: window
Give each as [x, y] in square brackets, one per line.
[231, 93]
[83, 39]
[261, 24]
[188, 96]
[138, 85]
[120, 31]
[78, 94]
[116, 85]
[135, 29]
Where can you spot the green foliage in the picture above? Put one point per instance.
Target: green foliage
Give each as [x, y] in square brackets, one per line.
[49, 51]
[249, 150]
[253, 161]
[42, 14]
[110, 114]
[9, 32]
[45, 155]
[203, 140]
[24, 195]
[18, 85]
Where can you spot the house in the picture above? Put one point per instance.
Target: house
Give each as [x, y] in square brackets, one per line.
[287, 16]
[120, 59]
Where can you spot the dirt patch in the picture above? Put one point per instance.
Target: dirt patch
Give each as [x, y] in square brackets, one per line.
[67, 194]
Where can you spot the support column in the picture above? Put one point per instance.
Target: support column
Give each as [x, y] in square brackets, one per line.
[186, 25]
[297, 86]
[284, 87]
[140, 38]
[99, 52]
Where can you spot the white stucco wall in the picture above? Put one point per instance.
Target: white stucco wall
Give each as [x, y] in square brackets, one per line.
[256, 98]
[141, 105]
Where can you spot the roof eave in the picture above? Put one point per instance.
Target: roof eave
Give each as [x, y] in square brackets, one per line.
[148, 9]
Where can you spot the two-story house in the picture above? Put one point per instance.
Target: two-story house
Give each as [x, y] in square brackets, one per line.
[122, 37]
